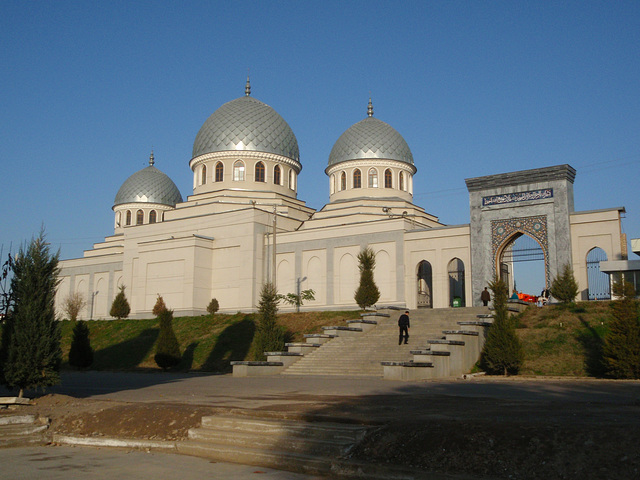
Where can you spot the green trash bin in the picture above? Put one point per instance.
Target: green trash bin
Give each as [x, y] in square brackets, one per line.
[457, 302]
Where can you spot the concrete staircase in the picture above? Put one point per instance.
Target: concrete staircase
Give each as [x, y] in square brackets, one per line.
[21, 430]
[361, 353]
[314, 447]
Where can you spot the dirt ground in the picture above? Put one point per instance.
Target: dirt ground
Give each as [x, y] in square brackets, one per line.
[477, 436]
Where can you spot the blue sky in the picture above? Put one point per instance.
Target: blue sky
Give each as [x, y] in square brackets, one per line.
[475, 88]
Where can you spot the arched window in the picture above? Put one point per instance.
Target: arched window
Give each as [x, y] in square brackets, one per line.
[128, 217]
[373, 178]
[357, 178]
[152, 216]
[343, 181]
[401, 181]
[259, 175]
[139, 217]
[204, 174]
[219, 171]
[388, 182]
[277, 175]
[238, 171]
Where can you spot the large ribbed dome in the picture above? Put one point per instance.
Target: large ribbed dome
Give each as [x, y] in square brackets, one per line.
[370, 138]
[148, 185]
[246, 124]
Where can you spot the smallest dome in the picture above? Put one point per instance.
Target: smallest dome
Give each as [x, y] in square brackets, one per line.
[148, 185]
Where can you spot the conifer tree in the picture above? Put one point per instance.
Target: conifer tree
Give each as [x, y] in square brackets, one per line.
[168, 349]
[502, 353]
[564, 287]
[367, 293]
[621, 350]
[81, 353]
[159, 307]
[120, 307]
[270, 337]
[31, 353]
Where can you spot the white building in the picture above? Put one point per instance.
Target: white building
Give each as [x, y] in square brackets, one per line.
[219, 243]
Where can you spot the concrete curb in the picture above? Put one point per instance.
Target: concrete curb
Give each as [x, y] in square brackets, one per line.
[163, 445]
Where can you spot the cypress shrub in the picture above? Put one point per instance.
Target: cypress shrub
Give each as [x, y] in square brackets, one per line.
[367, 293]
[81, 353]
[159, 307]
[502, 353]
[564, 287]
[120, 307]
[167, 350]
[31, 354]
[270, 337]
[213, 306]
[621, 350]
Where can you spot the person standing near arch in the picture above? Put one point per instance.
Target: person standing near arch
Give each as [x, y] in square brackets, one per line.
[485, 296]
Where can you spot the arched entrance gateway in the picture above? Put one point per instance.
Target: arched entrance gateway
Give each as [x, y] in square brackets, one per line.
[425, 285]
[518, 217]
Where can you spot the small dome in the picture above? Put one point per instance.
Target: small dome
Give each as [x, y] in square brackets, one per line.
[148, 185]
[246, 124]
[370, 138]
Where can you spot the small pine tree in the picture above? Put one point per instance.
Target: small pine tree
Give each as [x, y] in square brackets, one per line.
[31, 354]
[168, 349]
[159, 307]
[213, 306]
[270, 337]
[367, 293]
[81, 353]
[120, 307]
[502, 353]
[621, 350]
[565, 287]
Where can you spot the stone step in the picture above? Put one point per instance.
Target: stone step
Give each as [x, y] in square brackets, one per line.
[21, 430]
[280, 460]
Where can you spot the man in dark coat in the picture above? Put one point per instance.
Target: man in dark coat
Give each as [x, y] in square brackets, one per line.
[403, 323]
[485, 296]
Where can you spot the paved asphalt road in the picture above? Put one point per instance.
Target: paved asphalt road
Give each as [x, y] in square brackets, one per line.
[68, 463]
[53, 463]
[225, 390]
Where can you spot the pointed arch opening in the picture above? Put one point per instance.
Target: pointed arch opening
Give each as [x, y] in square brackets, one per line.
[277, 175]
[373, 178]
[425, 285]
[238, 171]
[388, 178]
[152, 216]
[219, 171]
[203, 177]
[455, 271]
[523, 266]
[357, 178]
[259, 172]
[599, 287]
[139, 217]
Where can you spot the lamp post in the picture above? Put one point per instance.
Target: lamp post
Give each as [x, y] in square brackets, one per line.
[93, 296]
[299, 301]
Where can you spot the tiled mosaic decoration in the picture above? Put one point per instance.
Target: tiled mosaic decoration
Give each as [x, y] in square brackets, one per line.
[502, 232]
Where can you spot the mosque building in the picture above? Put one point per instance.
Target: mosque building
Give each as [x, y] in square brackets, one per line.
[244, 225]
